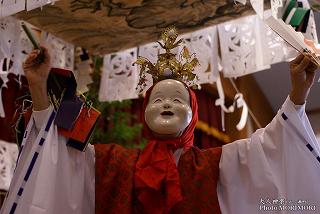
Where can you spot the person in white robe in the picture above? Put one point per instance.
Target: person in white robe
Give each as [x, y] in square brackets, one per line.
[276, 170]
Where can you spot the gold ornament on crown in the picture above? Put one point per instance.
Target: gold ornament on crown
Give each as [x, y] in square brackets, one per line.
[168, 66]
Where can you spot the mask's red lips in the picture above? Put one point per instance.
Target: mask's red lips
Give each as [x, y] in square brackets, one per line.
[167, 113]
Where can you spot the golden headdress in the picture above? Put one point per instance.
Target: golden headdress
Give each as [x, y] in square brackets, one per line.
[168, 66]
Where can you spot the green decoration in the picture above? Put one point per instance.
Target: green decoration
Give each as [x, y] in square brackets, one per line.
[116, 125]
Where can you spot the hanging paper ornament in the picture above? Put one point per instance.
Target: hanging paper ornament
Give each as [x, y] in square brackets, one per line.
[258, 6]
[32, 4]
[10, 7]
[238, 102]
[203, 43]
[8, 156]
[61, 52]
[240, 47]
[5, 80]
[119, 77]
[277, 7]
[241, 1]
[9, 30]
[82, 70]
[22, 47]
[275, 48]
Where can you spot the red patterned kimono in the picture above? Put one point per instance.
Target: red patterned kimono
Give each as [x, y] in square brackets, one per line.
[115, 166]
[148, 181]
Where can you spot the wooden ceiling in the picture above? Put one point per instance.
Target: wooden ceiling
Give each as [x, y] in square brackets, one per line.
[105, 26]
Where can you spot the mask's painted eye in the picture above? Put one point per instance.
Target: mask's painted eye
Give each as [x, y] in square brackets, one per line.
[157, 101]
[177, 101]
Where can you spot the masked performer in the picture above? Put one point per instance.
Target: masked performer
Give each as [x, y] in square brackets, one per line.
[170, 175]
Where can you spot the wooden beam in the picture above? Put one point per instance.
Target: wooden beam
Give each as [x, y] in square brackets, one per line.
[102, 26]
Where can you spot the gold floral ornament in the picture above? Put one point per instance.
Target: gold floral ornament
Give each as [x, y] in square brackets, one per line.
[168, 66]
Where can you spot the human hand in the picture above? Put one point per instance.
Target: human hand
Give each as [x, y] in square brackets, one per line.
[37, 71]
[302, 70]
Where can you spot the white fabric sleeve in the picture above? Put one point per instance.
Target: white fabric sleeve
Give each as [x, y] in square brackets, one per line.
[50, 176]
[40, 117]
[277, 170]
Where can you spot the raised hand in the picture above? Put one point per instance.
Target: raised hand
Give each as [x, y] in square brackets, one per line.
[302, 70]
[37, 73]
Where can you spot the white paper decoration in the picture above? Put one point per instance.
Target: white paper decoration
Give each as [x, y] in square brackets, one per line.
[82, 73]
[10, 7]
[82, 70]
[311, 32]
[241, 1]
[204, 44]
[9, 28]
[8, 39]
[32, 4]
[1, 53]
[15, 46]
[8, 157]
[258, 6]
[277, 8]
[119, 77]
[275, 49]
[23, 46]
[240, 50]
[4, 78]
[150, 51]
[61, 52]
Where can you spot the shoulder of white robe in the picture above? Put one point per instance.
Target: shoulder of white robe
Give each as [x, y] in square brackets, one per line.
[289, 116]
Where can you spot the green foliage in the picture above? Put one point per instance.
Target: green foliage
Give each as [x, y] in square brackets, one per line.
[115, 125]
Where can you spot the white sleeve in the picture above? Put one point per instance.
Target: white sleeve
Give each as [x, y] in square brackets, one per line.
[51, 177]
[39, 117]
[277, 170]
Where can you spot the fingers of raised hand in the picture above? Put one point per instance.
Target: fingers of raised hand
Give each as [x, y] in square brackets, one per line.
[46, 54]
[297, 60]
[32, 56]
[32, 59]
[300, 64]
[312, 67]
[310, 76]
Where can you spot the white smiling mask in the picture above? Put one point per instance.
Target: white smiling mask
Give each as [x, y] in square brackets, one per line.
[168, 111]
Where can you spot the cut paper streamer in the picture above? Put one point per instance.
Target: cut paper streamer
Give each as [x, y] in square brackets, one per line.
[258, 6]
[119, 77]
[238, 102]
[8, 156]
[10, 7]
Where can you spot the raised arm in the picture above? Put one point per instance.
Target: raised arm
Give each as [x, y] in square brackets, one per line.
[302, 71]
[277, 164]
[37, 73]
[50, 176]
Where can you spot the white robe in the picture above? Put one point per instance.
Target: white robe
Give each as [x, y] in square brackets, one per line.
[274, 164]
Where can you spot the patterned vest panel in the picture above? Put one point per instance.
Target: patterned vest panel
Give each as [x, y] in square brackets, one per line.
[114, 192]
